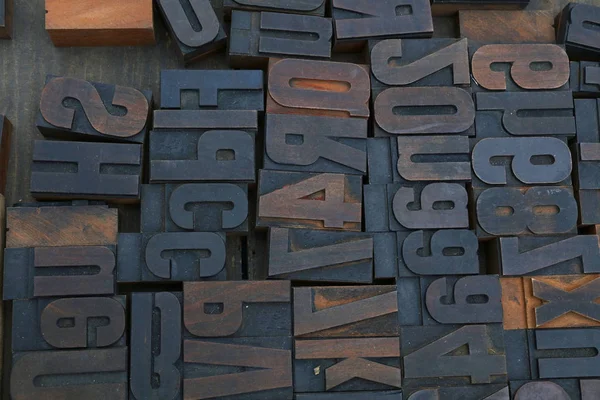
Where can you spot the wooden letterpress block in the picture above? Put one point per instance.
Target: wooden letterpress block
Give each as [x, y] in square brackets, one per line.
[61, 226]
[241, 368]
[322, 88]
[409, 301]
[519, 161]
[515, 61]
[587, 120]
[94, 374]
[356, 21]
[68, 323]
[472, 392]
[587, 157]
[173, 256]
[237, 309]
[213, 89]
[199, 207]
[6, 14]
[2, 238]
[316, 144]
[385, 256]
[345, 311]
[447, 8]
[555, 389]
[75, 109]
[477, 355]
[194, 27]
[576, 28]
[589, 78]
[507, 26]
[376, 208]
[5, 139]
[419, 62]
[155, 323]
[314, 201]
[108, 23]
[107, 171]
[543, 113]
[308, 7]
[379, 160]
[512, 211]
[589, 206]
[381, 395]
[59, 271]
[516, 346]
[424, 111]
[320, 256]
[256, 36]
[202, 120]
[349, 364]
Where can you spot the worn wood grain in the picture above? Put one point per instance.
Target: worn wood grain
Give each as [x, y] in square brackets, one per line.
[507, 26]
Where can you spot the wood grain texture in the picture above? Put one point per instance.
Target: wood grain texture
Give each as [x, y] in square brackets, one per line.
[507, 26]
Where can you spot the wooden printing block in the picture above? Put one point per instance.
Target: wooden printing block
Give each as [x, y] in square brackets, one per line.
[472, 392]
[585, 79]
[379, 160]
[587, 120]
[498, 26]
[6, 16]
[447, 8]
[586, 157]
[380, 395]
[560, 389]
[516, 345]
[385, 255]
[307, 7]
[5, 139]
[2, 240]
[576, 28]
[376, 208]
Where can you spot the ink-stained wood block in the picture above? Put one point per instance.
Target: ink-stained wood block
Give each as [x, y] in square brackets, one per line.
[447, 8]
[587, 120]
[5, 139]
[247, 368]
[424, 111]
[68, 323]
[59, 271]
[94, 374]
[477, 355]
[493, 26]
[348, 364]
[315, 144]
[379, 160]
[380, 395]
[256, 36]
[61, 226]
[385, 255]
[197, 207]
[576, 27]
[320, 256]
[155, 325]
[346, 311]
[201, 120]
[356, 21]
[472, 392]
[213, 89]
[75, 109]
[313, 201]
[585, 78]
[109, 23]
[6, 14]
[587, 157]
[307, 7]
[516, 67]
[194, 26]
[2, 240]
[107, 171]
[537, 210]
[376, 208]
[171, 257]
[321, 88]
[555, 389]
[409, 299]
[531, 113]
[516, 346]
[237, 309]
[589, 207]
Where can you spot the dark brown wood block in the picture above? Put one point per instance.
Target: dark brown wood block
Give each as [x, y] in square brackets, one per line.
[61, 226]
[75, 109]
[447, 8]
[577, 28]
[6, 11]
[5, 139]
[312, 201]
[308, 7]
[507, 26]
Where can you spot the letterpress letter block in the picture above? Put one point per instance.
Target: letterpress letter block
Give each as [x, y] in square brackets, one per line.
[472, 392]
[6, 11]
[559, 389]
[585, 79]
[5, 139]
[587, 164]
[576, 28]
[377, 215]
[309, 7]
[500, 26]
[379, 395]
[385, 255]
[448, 8]
[587, 120]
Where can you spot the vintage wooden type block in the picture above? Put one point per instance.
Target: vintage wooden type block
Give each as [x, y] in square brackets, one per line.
[107, 171]
[516, 346]
[356, 21]
[61, 226]
[587, 167]
[543, 113]
[589, 206]
[194, 27]
[213, 89]
[75, 109]
[520, 161]
[498, 26]
[308, 7]
[323, 88]
[379, 395]
[376, 208]
[156, 325]
[320, 256]
[577, 29]
[385, 255]
[587, 120]
[173, 256]
[109, 23]
[564, 353]
[476, 355]
[312, 201]
[5, 139]
[345, 311]
[447, 8]
[585, 79]
[94, 374]
[256, 36]
[2, 240]
[6, 14]
[59, 271]
[199, 207]
[419, 62]
[316, 144]
[561, 389]
[424, 110]
[472, 392]
[523, 67]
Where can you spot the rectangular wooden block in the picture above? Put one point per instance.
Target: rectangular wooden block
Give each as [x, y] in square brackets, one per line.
[589, 207]
[109, 23]
[307, 7]
[376, 208]
[507, 26]
[256, 36]
[61, 226]
[6, 16]
[320, 256]
[576, 27]
[75, 109]
[212, 90]
[587, 165]
[380, 395]
[585, 78]
[471, 392]
[311, 201]
[584, 389]
[587, 120]
[516, 345]
[171, 257]
[5, 140]
[385, 256]
[107, 171]
[447, 8]
[316, 144]
[2, 240]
